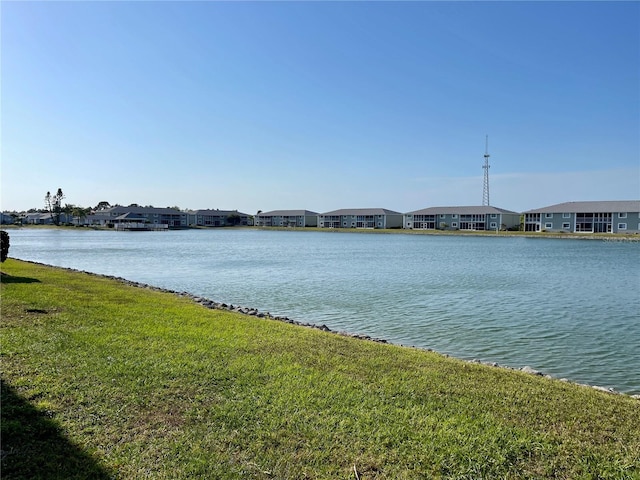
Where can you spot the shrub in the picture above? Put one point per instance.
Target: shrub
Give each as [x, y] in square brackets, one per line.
[4, 245]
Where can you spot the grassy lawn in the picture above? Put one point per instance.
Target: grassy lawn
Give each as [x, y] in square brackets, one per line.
[104, 380]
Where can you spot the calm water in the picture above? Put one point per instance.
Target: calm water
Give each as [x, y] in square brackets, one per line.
[569, 308]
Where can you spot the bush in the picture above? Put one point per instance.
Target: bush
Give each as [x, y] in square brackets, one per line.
[4, 245]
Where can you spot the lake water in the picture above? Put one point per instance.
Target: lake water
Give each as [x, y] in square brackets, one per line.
[569, 308]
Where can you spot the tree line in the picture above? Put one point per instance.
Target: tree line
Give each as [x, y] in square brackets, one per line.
[53, 205]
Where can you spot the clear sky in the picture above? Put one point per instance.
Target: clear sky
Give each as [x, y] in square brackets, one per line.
[319, 105]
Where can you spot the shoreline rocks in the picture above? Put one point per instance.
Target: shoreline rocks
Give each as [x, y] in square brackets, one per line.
[254, 312]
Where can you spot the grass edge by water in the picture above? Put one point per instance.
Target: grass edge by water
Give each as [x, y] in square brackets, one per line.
[508, 423]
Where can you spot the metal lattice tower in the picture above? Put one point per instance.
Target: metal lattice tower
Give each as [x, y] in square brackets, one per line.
[485, 189]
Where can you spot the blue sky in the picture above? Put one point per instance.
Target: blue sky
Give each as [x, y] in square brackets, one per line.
[319, 105]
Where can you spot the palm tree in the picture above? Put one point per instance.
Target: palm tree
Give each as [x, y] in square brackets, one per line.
[68, 211]
[79, 213]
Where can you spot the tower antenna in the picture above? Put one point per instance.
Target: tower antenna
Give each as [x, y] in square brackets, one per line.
[485, 189]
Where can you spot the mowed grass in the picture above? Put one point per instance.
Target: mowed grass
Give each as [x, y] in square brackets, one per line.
[104, 380]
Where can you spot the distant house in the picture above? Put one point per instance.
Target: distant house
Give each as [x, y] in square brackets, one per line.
[360, 218]
[136, 221]
[6, 219]
[287, 218]
[585, 217]
[461, 218]
[218, 218]
[39, 218]
[36, 218]
[151, 215]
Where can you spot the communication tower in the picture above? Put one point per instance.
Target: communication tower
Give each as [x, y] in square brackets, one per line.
[485, 189]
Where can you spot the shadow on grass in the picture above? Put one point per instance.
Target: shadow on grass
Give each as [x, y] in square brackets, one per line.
[6, 278]
[34, 447]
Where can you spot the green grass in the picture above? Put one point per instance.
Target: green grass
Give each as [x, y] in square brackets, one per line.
[104, 380]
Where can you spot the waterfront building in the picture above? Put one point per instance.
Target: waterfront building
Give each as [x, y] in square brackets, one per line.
[218, 218]
[7, 219]
[585, 217]
[360, 218]
[473, 218]
[153, 216]
[136, 222]
[287, 218]
[39, 218]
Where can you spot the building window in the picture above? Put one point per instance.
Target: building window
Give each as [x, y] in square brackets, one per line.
[566, 215]
[494, 215]
[622, 215]
[455, 215]
[494, 225]
[548, 215]
[622, 226]
[548, 225]
[566, 226]
[454, 224]
[442, 215]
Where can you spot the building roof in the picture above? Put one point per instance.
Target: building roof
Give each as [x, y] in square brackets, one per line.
[462, 210]
[131, 217]
[361, 211]
[46, 216]
[225, 213]
[120, 210]
[287, 213]
[591, 207]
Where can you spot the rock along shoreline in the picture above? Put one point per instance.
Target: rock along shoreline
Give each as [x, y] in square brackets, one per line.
[254, 312]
